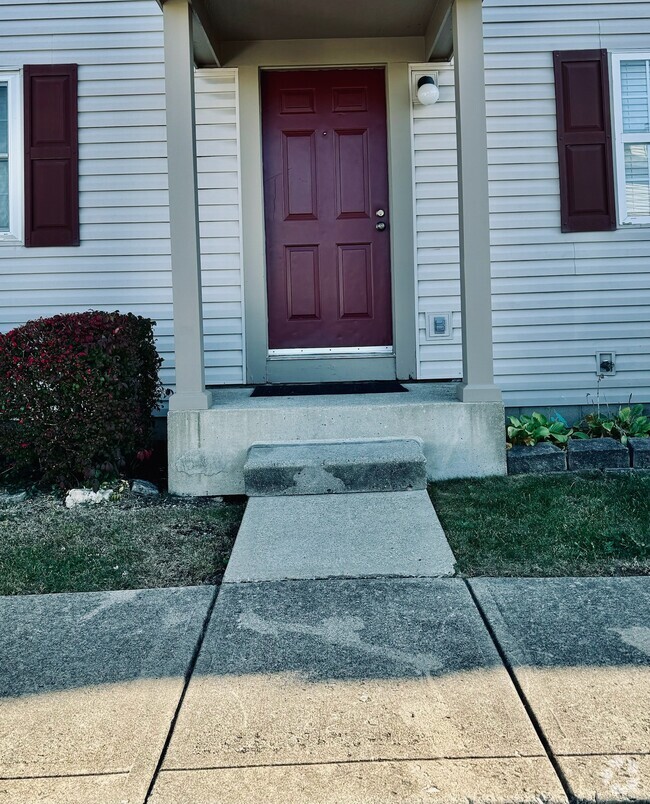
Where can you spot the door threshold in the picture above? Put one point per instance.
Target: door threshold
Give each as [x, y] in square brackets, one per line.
[331, 351]
[330, 388]
[329, 368]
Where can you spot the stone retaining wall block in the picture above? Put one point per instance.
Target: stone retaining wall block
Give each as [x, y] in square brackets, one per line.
[639, 452]
[597, 453]
[542, 457]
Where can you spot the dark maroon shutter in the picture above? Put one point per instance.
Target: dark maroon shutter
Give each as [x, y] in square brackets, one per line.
[584, 138]
[51, 156]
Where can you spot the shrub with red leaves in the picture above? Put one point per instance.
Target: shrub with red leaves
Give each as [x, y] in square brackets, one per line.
[76, 394]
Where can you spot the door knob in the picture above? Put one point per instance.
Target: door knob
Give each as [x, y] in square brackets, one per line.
[380, 226]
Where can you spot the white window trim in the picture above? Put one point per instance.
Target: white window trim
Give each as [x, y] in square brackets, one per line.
[621, 139]
[13, 80]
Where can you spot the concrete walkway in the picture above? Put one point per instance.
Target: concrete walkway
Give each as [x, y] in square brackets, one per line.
[340, 690]
[393, 533]
[89, 687]
[348, 509]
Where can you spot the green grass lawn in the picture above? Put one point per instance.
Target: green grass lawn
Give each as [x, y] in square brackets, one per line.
[548, 525]
[129, 544]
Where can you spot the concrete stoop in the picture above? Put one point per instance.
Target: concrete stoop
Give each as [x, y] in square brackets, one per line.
[208, 448]
[353, 509]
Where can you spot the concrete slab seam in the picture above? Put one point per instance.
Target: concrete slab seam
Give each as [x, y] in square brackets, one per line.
[374, 761]
[342, 578]
[188, 676]
[522, 696]
[604, 754]
[63, 776]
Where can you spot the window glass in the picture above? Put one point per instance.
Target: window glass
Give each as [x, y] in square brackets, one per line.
[4, 195]
[634, 96]
[4, 120]
[637, 179]
[4, 160]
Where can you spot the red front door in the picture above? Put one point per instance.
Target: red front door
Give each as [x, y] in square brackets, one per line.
[326, 202]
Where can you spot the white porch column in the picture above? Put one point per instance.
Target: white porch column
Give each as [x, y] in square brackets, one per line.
[475, 286]
[183, 209]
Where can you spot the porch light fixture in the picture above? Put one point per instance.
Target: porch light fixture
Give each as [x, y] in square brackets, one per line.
[428, 92]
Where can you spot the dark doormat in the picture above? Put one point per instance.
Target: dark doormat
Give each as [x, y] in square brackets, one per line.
[328, 388]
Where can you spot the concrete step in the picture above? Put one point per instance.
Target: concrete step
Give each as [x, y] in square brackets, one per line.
[335, 467]
[395, 534]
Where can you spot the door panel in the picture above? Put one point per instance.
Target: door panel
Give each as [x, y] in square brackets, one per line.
[352, 174]
[325, 178]
[303, 286]
[299, 175]
[355, 281]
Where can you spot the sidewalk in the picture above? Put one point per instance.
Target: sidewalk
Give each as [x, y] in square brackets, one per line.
[355, 690]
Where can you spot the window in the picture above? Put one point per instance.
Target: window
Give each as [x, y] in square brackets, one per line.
[11, 158]
[631, 80]
[4, 159]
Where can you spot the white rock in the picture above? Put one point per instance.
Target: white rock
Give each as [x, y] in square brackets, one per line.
[8, 498]
[85, 496]
[145, 488]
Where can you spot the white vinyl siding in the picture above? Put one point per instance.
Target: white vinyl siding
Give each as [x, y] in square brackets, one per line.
[557, 298]
[123, 261]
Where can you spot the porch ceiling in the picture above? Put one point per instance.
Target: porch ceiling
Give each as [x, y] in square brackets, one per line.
[224, 21]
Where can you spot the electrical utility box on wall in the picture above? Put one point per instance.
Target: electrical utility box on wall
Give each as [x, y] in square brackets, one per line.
[438, 326]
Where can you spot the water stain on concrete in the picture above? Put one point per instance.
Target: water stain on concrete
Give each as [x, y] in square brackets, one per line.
[636, 636]
[345, 632]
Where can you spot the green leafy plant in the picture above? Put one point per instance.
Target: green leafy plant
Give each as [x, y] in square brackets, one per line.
[530, 430]
[628, 422]
[78, 391]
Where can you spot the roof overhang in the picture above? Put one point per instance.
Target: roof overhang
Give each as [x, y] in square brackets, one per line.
[219, 25]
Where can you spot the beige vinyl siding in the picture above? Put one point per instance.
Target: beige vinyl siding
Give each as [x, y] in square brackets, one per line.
[557, 298]
[436, 224]
[124, 258]
[220, 215]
